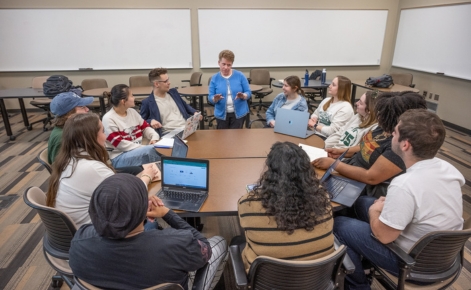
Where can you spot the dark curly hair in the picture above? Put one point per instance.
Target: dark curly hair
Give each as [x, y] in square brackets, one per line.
[390, 106]
[289, 189]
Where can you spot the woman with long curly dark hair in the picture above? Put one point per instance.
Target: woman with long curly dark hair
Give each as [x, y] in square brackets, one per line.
[287, 215]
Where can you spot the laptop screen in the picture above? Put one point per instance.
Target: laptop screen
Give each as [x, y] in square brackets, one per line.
[180, 149]
[185, 173]
[332, 167]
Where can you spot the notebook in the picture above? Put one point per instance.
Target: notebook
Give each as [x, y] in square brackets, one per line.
[343, 190]
[293, 123]
[185, 183]
[179, 149]
[191, 125]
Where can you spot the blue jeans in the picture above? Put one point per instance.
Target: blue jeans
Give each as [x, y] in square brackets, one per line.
[356, 235]
[142, 155]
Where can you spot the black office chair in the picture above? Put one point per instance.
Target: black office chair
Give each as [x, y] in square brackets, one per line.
[260, 77]
[436, 259]
[209, 118]
[41, 103]
[60, 230]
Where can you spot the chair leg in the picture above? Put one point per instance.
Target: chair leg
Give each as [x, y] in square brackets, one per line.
[57, 282]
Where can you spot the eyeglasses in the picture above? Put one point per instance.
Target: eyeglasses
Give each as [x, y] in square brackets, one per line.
[165, 82]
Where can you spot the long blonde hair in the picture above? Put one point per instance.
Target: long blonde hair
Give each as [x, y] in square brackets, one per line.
[344, 91]
[370, 101]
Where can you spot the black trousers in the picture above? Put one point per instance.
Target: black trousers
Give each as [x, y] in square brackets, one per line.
[231, 122]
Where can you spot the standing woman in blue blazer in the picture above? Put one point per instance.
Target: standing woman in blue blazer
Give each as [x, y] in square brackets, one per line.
[229, 91]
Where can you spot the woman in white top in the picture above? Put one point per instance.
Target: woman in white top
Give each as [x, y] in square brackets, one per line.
[360, 124]
[334, 112]
[81, 166]
[124, 129]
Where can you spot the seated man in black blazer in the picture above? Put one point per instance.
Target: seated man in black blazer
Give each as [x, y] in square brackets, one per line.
[164, 109]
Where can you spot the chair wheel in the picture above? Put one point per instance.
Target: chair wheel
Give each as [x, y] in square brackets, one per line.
[45, 129]
[30, 127]
[56, 284]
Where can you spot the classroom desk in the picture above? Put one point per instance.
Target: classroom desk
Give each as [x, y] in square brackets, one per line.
[313, 84]
[98, 93]
[202, 91]
[394, 88]
[20, 94]
[240, 143]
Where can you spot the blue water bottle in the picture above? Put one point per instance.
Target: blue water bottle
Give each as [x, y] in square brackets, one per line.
[306, 78]
[323, 76]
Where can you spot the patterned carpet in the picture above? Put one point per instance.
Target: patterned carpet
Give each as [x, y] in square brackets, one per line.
[22, 265]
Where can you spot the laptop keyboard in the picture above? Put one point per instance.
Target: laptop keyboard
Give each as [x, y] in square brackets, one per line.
[335, 186]
[181, 195]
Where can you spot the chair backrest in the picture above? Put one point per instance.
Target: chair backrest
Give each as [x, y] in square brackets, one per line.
[260, 77]
[209, 80]
[139, 81]
[89, 84]
[60, 229]
[404, 79]
[42, 158]
[438, 255]
[195, 79]
[315, 75]
[38, 82]
[272, 273]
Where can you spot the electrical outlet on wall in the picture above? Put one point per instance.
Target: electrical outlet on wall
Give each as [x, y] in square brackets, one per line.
[436, 97]
[430, 96]
[424, 94]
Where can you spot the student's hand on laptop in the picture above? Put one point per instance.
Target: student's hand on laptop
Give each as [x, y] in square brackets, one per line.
[323, 162]
[272, 123]
[241, 96]
[217, 97]
[312, 122]
[155, 124]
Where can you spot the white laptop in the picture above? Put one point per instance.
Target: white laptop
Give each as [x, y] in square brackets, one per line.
[191, 125]
[293, 123]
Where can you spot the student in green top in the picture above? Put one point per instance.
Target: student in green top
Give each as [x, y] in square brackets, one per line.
[63, 106]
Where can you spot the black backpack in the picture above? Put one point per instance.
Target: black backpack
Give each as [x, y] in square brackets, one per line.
[55, 85]
[384, 81]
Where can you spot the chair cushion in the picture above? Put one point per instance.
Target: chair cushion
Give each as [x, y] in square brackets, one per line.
[41, 102]
[410, 286]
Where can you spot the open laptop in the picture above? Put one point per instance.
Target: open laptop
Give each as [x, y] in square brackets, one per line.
[293, 123]
[179, 149]
[185, 183]
[191, 125]
[343, 190]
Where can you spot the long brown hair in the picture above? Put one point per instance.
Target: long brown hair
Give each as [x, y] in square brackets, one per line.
[344, 91]
[79, 135]
[370, 102]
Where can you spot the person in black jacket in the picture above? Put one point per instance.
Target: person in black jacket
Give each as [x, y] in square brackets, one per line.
[164, 109]
[116, 252]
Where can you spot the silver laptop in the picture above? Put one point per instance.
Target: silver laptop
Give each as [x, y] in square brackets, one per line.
[185, 183]
[191, 125]
[293, 123]
[343, 190]
[179, 149]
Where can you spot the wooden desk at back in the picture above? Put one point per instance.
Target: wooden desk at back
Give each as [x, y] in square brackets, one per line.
[237, 158]
[394, 88]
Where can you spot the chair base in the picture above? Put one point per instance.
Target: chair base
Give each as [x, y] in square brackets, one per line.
[45, 121]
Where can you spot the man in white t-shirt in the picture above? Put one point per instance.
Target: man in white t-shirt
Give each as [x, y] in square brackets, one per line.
[164, 109]
[426, 198]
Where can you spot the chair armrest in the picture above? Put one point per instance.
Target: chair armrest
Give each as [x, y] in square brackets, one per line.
[403, 256]
[249, 79]
[200, 276]
[185, 81]
[238, 267]
[271, 79]
[412, 85]
[347, 262]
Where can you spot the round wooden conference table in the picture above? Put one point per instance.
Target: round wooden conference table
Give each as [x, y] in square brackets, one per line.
[236, 159]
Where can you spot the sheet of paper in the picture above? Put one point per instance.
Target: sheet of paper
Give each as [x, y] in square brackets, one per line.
[164, 143]
[313, 152]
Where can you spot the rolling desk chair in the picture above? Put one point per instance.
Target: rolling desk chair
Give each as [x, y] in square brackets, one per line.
[41, 103]
[209, 118]
[89, 84]
[139, 81]
[260, 77]
[195, 79]
[404, 79]
[313, 96]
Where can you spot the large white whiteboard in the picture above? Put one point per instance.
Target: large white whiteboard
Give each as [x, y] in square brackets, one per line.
[280, 38]
[435, 40]
[102, 39]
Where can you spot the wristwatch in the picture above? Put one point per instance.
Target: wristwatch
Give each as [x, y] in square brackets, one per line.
[315, 126]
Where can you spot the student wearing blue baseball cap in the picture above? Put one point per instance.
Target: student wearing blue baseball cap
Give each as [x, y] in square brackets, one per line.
[63, 106]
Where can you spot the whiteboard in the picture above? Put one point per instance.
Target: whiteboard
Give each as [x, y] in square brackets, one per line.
[102, 39]
[280, 38]
[435, 40]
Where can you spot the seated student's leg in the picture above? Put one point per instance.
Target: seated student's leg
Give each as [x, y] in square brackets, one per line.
[235, 123]
[356, 235]
[142, 155]
[361, 207]
[217, 261]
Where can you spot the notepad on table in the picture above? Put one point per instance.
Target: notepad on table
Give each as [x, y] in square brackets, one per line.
[164, 143]
[313, 152]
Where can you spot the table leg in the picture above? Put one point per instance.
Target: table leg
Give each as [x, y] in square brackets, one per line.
[202, 112]
[354, 93]
[102, 106]
[5, 120]
[23, 112]
[324, 93]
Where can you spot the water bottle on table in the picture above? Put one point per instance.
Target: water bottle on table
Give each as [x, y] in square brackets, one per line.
[306, 78]
[323, 76]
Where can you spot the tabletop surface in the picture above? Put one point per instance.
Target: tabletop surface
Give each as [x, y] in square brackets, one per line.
[394, 88]
[22, 93]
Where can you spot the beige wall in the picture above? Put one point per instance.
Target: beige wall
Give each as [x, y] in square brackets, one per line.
[443, 86]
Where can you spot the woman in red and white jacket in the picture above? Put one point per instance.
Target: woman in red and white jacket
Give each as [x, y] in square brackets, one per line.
[124, 129]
